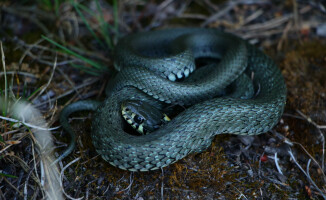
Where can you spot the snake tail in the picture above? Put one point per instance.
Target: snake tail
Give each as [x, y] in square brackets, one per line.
[84, 105]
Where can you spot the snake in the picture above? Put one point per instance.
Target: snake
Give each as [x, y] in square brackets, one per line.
[160, 69]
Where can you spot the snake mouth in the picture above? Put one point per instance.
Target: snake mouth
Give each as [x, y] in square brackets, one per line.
[180, 75]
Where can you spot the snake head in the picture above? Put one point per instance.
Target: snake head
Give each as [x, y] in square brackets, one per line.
[142, 116]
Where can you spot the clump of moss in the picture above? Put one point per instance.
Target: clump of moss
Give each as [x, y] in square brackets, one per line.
[304, 69]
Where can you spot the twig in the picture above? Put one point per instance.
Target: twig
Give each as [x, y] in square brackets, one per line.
[293, 116]
[318, 5]
[26, 184]
[61, 179]
[42, 173]
[42, 61]
[70, 91]
[193, 16]
[51, 77]
[284, 35]
[258, 34]
[88, 188]
[311, 121]
[20, 194]
[26, 168]
[209, 5]
[9, 132]
[312, 158]
[35, 164]
[295, 15]
[287, 141]
[157, 19]
[277, 165]
[69, 81]
[306, 174]
[4, 71]
[30, 47]
[131, 178]
[241, 194]
[273, 23]
[84, 52]
[253, 16]
[164, 4]
[90, 159]
[282, 138]
[221, 13]
[321, 135]
[20, 73]
[28, 124]
[8, 146]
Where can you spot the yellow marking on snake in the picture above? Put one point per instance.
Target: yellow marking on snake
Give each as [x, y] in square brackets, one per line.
[166, 118]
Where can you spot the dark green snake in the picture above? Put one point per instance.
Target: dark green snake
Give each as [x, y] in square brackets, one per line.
[148, 60]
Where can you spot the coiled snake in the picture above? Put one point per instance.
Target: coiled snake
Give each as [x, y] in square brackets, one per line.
[151, 64]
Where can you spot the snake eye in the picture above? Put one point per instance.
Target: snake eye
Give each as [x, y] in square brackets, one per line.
[138, 119]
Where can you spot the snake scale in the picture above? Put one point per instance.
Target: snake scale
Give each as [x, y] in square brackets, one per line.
[150, 65]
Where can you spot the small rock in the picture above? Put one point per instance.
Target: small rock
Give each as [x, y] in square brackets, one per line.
[246, 139]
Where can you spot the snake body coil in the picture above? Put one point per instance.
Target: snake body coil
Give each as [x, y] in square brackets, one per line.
[148, 64]
[148, 60]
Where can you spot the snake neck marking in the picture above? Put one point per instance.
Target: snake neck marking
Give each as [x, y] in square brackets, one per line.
[179, 75]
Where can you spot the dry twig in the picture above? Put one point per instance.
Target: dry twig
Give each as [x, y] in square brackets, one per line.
[307, 174]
